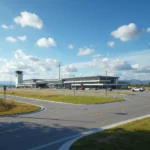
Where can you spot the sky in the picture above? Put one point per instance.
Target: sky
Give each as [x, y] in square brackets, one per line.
[86, 38]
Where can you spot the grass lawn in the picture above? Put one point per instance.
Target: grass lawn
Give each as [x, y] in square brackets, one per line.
[63, 98]
[110, 92]
[130, 136]
[147, 88]
[9, 107]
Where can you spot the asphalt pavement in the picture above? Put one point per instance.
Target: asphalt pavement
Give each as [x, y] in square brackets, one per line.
[59, 123]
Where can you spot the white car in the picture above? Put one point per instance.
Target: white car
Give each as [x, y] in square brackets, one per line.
[141, 89]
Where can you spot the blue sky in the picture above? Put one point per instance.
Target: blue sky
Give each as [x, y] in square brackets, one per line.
[86, 37]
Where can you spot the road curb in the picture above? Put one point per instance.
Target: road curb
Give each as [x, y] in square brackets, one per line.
[68, 144]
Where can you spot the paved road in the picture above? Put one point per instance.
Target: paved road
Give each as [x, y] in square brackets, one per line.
[49, 129]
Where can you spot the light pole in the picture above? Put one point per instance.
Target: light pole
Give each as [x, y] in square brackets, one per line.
[117, 88]
[59, 84]
[4, 92]
[74, 87]
[106, 85]
[59, 71]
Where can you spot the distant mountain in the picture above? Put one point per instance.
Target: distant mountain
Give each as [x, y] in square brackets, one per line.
[135, 81]
[7, 83]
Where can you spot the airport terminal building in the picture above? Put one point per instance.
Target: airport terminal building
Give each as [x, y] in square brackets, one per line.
[97, 82]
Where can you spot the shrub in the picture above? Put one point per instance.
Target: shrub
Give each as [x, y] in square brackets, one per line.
[6, 105]
[1, 101]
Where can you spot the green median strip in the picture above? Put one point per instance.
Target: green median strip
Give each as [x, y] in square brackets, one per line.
[64, 98]
[85, 99]
[130, 136]
[9, 107]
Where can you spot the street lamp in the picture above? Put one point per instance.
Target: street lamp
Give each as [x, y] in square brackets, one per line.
[59, 71]
[74, 87]
[58, 84]
[117, 88]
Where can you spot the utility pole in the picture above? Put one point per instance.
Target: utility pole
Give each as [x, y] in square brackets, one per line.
[59, 71]
[74, 87]
[4, 92]
[106, 85]
[11, 81]
[117, 88]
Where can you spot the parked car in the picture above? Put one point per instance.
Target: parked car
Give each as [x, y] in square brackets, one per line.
[81, 88]
[141, 89]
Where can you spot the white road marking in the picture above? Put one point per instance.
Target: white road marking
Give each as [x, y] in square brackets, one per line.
[67, 145]
[55, 142]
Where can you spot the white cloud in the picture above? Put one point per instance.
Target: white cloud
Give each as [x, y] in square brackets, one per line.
[148, 30]
[44, 64]
[143, 69]
[19, 54]
[11, 27]
[29, 19]
[85, 51]
[3, 60]
[83, 65]
[69, 68]
[105, 60]
[122, 65]
[7, 27]
[114, 64]
[53, 62]
[141, 57]
[135, 66]
[67, 75]
[43, 42]
[11, 39]
[96, 55]
[111, 44]
[126, 32]
[32, 58]
[4, 26]
[70, 46]
[45, 68]
[131, 65]
[22, 38]
[105, 63]
[11, 66]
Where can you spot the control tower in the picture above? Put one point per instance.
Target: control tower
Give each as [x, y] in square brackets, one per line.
[19, 77]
